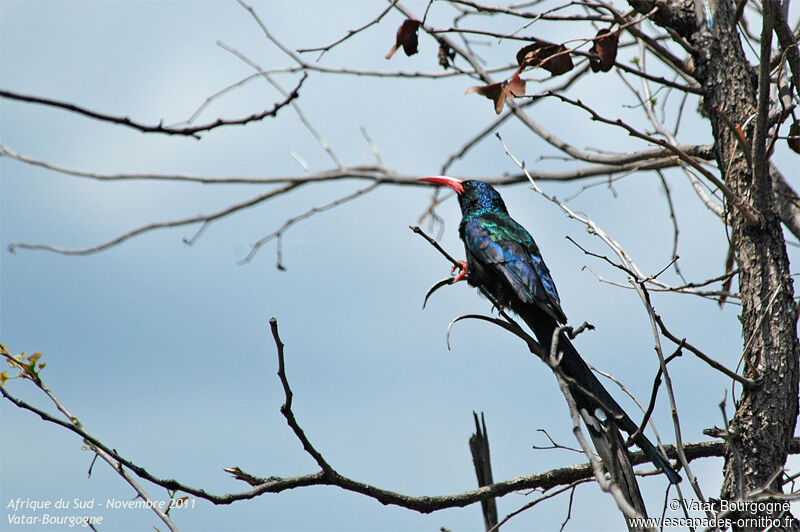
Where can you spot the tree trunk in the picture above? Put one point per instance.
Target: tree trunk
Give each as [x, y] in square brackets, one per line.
[764, 422]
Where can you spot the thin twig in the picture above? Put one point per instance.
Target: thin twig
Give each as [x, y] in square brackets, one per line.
[750, 214]
[300, 115]
[323, 49]
[286, 408]
[278, 233]
[542, 498]
[435, 244]
[644, 160]
[204, 218]
[747, 383]
[192, 131]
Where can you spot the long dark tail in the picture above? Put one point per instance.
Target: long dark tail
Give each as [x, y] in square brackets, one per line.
[543, 326]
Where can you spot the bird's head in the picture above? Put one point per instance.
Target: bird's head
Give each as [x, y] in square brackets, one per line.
[473, 196]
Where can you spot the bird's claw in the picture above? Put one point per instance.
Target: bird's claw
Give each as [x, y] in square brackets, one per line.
[462, 274]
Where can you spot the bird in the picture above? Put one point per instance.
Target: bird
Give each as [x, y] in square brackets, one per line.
[504, 261]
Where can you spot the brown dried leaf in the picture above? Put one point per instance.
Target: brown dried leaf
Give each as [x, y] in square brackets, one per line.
[406, 37]
[498, 92]
[604, 50]
[552, 57]
[794, 137]
[495, 91]
[516, 86]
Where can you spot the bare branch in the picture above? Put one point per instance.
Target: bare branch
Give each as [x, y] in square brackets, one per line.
[108, 456]
[545, 481]
[435, 244]
[747, 383]
[788, 42]
[286, 408]
[278, 233]
[350, 33]
[192, 131]
[651, 314]
[553, 493]
[300, 115]
[747, 211]
[203, 218]
[642, 160]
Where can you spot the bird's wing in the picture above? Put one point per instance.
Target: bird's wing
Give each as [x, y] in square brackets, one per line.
[506, 247]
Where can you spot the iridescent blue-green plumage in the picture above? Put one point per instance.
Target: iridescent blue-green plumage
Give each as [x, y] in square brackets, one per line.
[502, 254]
[504, 260]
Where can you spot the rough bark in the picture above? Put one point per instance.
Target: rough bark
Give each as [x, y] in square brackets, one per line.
[764, 422]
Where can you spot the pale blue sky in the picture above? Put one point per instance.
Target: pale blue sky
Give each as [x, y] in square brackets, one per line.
[163, 350]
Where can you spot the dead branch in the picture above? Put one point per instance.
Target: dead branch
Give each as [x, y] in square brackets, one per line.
[191, 131]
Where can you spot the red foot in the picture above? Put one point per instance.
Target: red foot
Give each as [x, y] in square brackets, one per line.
[462, 274]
